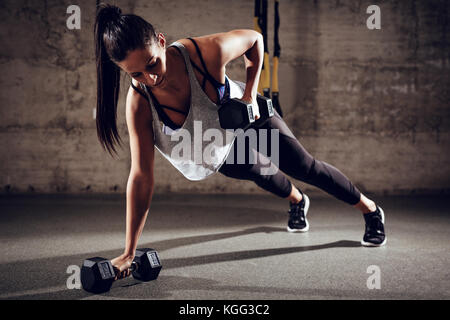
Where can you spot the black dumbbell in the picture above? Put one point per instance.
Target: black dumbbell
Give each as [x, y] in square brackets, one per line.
[266, 110]
[98, 274]
[235, 113]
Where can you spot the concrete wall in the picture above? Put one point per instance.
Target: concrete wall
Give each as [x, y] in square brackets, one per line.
[373, 103]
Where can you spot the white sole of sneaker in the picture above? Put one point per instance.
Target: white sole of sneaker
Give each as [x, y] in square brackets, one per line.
[306, 228]
[369, 244]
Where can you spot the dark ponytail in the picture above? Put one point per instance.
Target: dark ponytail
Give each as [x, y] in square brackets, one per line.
[115, 35]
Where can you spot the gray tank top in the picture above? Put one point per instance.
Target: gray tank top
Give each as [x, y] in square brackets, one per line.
[194, 149]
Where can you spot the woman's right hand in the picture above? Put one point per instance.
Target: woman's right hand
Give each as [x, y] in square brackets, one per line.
[122, 265]
[255, 106]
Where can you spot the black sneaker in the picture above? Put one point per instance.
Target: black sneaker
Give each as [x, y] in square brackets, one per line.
[297, 216]
[374, 235]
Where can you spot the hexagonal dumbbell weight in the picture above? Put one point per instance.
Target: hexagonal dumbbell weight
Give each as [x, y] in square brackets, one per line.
[235, 114]
[98, 274]
[266, 110]
[238, 114]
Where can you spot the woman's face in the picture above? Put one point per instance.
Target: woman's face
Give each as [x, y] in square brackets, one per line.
[148, 66]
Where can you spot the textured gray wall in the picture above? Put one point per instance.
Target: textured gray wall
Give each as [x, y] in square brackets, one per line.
[373, 103]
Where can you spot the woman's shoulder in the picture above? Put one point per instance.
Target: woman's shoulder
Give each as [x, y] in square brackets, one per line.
[137, 101]
[209, 51]
[136, 90]
[206, 42]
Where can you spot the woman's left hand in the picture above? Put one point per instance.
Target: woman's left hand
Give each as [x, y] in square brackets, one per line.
[122, 265]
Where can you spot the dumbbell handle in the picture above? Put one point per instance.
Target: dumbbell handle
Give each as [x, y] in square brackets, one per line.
[130, 269]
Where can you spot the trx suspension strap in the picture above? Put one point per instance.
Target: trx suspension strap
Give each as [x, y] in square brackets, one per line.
[256, 23]
[276, 56]
[261, 12]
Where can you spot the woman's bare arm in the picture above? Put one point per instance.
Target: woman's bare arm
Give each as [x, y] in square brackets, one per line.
[140, 182]
[221, 48]
[247, 43]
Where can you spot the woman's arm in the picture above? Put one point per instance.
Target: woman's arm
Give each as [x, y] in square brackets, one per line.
[247, 43]
[140, 181]
[227, 46]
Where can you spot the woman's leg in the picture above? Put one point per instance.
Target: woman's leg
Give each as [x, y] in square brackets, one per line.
[254, 168]
[277, 183]
[365, 205]
[295, 161]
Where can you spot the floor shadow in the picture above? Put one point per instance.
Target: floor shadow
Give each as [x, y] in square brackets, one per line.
[50, 273]
[252, 254]
[191, 240]
[166, 287]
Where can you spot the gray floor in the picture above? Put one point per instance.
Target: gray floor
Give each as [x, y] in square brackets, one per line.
[228, 247]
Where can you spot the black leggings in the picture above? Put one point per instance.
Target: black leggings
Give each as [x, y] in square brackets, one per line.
[293, 160]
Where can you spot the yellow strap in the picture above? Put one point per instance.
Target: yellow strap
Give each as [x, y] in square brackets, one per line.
[255, 22]
[275, 75]
[265, 73]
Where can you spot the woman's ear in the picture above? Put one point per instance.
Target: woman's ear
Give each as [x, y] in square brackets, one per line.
[161, 40]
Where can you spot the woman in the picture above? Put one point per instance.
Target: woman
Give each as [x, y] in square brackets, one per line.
[181, 85]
